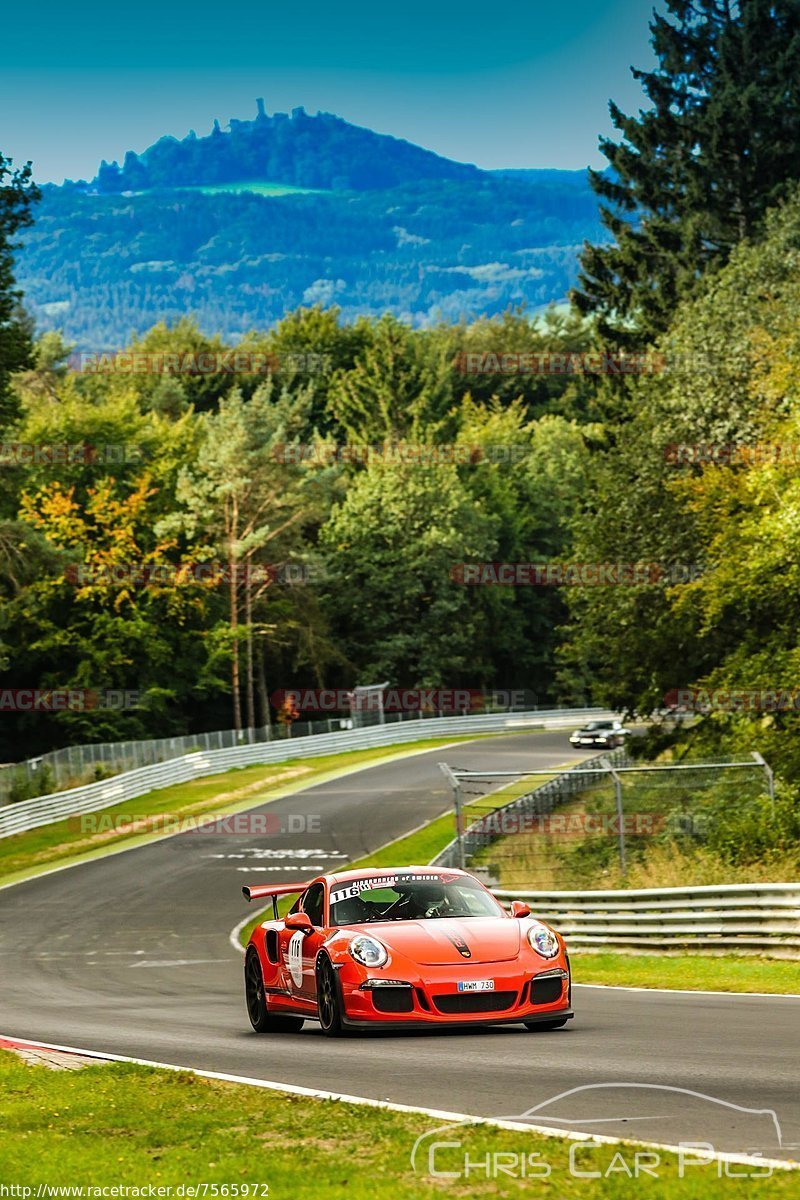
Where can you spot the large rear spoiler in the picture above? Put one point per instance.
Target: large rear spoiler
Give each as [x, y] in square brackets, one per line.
[260, 891]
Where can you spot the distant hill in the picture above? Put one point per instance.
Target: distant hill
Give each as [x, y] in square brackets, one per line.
[321, 152]
[241, 226]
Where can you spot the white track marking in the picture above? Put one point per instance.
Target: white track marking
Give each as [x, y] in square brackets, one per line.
[233, 936]
[176, 962]
[619, 987]
[368, 1102]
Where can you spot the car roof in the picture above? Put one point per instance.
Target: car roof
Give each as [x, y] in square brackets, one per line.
[391, 872]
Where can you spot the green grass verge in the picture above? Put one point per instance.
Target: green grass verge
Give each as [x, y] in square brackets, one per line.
[77, 840]
[695, 972]
[122, 1125]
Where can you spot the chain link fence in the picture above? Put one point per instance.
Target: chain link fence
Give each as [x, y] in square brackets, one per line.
[586, 826]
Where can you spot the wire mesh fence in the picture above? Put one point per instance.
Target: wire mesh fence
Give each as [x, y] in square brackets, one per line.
[586, 827]
[73, 766]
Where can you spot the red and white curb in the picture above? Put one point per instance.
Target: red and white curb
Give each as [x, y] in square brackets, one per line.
[36, 1054]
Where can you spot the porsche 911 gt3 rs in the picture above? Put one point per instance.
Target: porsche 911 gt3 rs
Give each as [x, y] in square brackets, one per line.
[406, 947]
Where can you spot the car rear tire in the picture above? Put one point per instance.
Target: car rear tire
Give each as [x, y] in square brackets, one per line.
[260, 1017]
[544, 1026]
[329, 1000]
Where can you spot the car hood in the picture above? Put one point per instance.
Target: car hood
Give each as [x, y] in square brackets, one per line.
[440, 941]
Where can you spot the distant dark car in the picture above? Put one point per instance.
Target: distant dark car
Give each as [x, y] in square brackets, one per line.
[600, 733]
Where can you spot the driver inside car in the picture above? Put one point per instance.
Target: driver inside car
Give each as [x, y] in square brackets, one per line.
[426, 900]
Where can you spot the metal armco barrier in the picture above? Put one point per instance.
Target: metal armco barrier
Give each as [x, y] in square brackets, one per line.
[754, 917]
[30, 814]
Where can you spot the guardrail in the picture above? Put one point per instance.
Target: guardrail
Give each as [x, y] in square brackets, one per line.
[754, 917]
[30, 814]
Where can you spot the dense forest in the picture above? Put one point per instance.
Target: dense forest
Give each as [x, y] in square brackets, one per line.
[345, 479]
[361, 461]
[100, 268]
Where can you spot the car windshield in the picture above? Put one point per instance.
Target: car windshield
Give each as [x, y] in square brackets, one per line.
[412, 897]
[599, 725]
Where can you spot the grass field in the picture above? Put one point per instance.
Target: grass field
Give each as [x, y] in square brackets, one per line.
[122, 1125]
[576, 847]
[693, 972]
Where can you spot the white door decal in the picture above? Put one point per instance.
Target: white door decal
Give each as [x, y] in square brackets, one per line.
[296, 958]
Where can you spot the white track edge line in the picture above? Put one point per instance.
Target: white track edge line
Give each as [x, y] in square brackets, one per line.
[390, 1106]
[621, 987]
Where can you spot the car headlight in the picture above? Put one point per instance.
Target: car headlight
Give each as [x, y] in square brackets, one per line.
[368, 952]
[543, 941]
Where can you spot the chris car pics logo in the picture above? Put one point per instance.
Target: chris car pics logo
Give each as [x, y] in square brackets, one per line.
[468, 1151]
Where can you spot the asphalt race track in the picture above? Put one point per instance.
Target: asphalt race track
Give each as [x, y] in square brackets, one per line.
[131, 955]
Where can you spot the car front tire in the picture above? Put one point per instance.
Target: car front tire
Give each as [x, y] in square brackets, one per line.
[329, 999]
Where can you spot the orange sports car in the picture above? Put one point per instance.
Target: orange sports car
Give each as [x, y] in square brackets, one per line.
[410, 947]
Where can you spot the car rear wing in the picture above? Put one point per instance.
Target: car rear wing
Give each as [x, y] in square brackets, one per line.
[260, 891]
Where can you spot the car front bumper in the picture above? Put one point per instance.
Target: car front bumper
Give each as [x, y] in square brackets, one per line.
[435, 1000]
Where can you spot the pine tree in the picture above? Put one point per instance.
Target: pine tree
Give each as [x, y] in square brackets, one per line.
[17, 194]
[694, 173]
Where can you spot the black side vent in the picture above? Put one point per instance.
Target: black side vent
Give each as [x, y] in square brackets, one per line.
[271, 943]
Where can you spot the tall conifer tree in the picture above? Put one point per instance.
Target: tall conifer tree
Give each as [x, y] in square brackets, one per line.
[694, 173]
[17, 194]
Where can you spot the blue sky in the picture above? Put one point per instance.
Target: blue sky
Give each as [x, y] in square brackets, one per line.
[518, 84]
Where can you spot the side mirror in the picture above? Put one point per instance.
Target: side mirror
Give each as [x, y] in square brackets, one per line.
[299, 920]
[520, 909]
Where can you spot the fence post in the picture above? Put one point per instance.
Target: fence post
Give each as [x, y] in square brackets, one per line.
[620, 815]
[456, 786]
[770, 777]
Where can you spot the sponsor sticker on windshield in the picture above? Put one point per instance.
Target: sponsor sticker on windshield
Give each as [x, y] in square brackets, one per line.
[348, 890]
